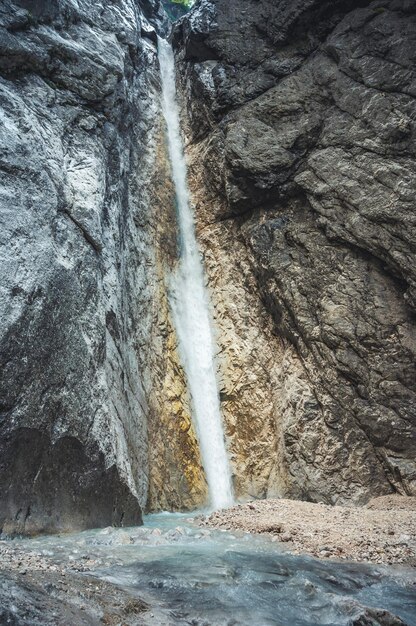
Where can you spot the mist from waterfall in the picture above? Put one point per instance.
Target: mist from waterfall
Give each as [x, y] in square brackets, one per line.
[190, 306]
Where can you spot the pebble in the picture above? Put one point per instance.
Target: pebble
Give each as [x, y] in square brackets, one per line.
[325, 553]
[384, 531]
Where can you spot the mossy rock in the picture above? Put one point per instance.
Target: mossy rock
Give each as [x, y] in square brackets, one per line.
[177, 8]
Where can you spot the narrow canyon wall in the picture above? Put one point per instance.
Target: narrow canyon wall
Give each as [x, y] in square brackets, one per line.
[78, 103]
[301, 124]
[95, 415]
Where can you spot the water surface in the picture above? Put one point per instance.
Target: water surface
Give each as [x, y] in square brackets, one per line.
[215, 578]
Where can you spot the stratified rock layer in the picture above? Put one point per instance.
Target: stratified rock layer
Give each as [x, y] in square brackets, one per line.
[301, 124]
[78, 101]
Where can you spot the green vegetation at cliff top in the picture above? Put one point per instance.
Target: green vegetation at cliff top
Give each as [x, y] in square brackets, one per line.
[176, 8]
[185, 3]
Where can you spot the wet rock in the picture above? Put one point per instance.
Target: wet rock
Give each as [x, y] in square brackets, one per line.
[377, 617]
[39, 601]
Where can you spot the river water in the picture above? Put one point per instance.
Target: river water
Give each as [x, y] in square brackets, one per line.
[200, 577]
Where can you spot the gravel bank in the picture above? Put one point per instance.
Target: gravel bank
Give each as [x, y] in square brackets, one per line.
[383, 531]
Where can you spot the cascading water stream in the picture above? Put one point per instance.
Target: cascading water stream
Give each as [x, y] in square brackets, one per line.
[190, 306]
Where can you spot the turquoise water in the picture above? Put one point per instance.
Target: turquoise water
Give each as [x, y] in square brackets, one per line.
[213, 578]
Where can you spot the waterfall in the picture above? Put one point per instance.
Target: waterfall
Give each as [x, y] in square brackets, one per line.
[190, 306]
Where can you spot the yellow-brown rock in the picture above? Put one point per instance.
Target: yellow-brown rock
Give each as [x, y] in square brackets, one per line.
[176, 478]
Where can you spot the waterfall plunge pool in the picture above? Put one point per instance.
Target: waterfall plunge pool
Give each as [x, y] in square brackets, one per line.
[202, 577]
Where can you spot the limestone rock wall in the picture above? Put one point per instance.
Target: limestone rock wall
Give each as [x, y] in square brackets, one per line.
[78, 101]
[300, 125]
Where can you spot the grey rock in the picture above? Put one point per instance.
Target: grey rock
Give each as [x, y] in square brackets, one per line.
[377, 617]
[301, 122]
[77, 106]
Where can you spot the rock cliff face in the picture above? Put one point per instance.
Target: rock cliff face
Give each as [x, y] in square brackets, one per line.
[301, 126]
[300, 119]
[78, 101]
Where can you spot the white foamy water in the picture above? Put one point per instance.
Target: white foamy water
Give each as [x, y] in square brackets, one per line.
[190, 306]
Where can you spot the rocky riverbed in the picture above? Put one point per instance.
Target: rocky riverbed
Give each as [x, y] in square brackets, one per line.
[384, 531]
[36, 589]
[172, 572]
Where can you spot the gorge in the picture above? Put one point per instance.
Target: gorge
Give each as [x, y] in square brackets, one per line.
[298, 121]
[207, 235]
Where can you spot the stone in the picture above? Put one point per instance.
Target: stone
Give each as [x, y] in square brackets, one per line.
[78, 100]
[300, 125]
[377, 617]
